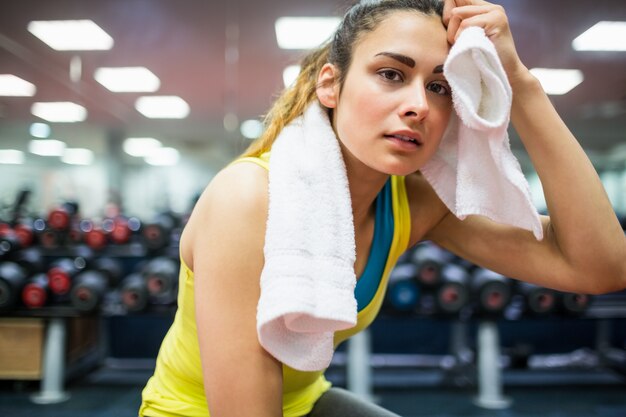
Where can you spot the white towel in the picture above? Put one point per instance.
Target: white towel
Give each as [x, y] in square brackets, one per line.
[308, 280]
[474, 170]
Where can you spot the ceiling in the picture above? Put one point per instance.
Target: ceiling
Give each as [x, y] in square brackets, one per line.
[184, 42]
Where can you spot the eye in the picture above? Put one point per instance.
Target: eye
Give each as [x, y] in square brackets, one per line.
[391, 75]
[440, 88]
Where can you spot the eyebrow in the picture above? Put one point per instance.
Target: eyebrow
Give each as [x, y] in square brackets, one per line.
[409, 62]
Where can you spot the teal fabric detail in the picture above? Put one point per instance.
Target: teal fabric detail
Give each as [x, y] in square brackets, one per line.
[367, 285]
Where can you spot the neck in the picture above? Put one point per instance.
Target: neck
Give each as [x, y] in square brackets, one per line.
[365, 183]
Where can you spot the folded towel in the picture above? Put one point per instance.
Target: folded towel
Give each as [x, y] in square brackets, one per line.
[474, 170]
[308, 280]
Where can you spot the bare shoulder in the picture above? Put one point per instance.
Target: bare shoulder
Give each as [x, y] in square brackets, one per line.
[244, 182]
[234, 202]
[427, 209]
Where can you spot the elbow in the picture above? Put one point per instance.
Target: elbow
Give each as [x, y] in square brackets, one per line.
[604, 289]
[608, 280]
[619, 281]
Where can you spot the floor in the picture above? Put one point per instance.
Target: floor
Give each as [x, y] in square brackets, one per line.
[112, 391]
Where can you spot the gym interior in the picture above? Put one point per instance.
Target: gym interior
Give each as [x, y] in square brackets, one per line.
[93, 203]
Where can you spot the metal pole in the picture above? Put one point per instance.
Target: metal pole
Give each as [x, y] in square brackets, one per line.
[358, 366]
[53, 365]
[489, 372]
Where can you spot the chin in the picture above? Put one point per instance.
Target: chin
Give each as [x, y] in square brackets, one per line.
[400, 170]
[404, 173]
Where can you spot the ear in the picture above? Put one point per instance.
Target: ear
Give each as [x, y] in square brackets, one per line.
[328, 90]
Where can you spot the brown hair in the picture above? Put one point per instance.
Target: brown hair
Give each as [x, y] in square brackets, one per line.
[360, 19]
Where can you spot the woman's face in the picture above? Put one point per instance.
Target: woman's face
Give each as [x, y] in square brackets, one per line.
[395, 103]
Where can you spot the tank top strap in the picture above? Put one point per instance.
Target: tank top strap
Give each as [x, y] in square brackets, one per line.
[262, 160]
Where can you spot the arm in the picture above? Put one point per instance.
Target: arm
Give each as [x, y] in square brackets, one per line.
[583, 222]
[240, 377]
[584, 249]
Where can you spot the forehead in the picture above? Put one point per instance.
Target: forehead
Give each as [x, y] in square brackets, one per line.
[410, 33]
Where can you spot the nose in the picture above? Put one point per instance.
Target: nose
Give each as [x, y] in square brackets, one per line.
[415, 104]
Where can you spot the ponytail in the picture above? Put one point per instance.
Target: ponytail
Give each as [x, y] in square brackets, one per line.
[292, 102]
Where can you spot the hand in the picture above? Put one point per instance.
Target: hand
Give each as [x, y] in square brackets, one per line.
[460, 14]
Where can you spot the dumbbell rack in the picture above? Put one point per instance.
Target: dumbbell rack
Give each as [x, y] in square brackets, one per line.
[54, 365]
[490, 393]
[57, 316]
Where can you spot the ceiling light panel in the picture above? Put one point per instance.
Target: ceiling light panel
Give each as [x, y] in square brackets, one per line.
[71, 35]
[77, 156]
[11, 156]
[558, 81]
[13, 86]
[163, 157]
[46, 147]
[39, 130]
[251, 128]
[60, 111]
[304, 32]
[162, 107]
[128, 79]
[140, 147]
[290, 74]
[603, 36]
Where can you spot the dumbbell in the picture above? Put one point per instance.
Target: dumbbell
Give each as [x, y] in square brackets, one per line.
[430, 259]
[9, 243]
[47, 237]
[574, 304]
[157, 234]
[161, 275]
[537, 300]
[12, 280]
[94, 236]
[15, 238]
[134, 292]
[36, 292]
[59, 218]
[25, 232]
[121, 229]
[403, 292]
[88, 290]
[61, 274]
[491, 290]
[454, 292]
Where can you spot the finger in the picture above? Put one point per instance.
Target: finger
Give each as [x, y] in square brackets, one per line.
[448, 5]
[465, 12]
[453, 27]
[461, 3]
[451, 4]
[486, 21]
[459, 14]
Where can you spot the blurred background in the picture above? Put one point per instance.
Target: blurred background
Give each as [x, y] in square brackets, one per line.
[222, 64]
[114, 116]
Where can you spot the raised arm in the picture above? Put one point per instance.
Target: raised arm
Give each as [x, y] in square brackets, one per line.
[240, 377]
[584, 248]
[582, 219]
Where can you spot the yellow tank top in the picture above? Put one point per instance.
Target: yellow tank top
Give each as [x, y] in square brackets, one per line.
[176, 388]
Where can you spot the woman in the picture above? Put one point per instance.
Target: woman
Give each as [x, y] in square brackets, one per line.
[380, 78]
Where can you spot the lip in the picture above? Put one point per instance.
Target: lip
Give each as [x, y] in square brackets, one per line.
[407, 134]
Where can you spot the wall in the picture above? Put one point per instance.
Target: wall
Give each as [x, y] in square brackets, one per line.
[145, 189]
